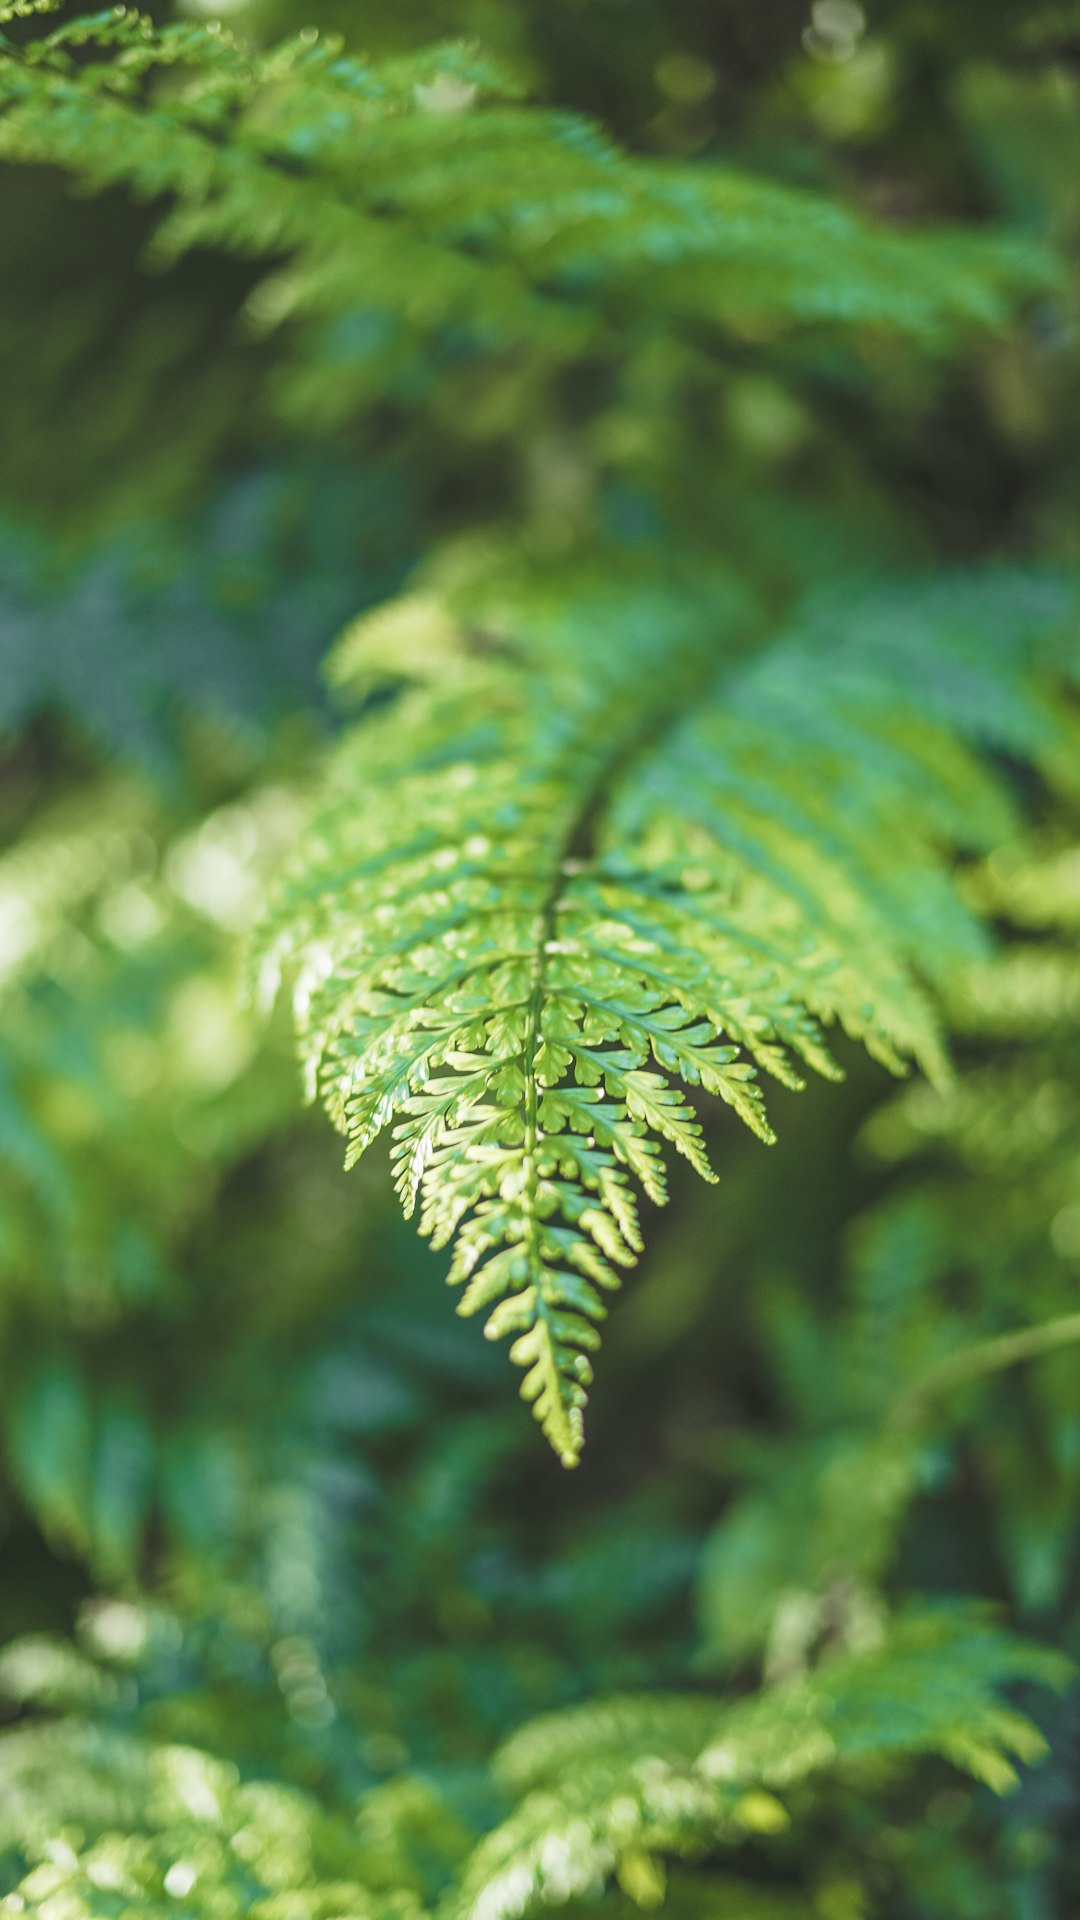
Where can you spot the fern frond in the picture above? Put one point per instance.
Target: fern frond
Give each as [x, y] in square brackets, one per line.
[423, 188]
[627, 1779]
[584, 859]
[158, 1829]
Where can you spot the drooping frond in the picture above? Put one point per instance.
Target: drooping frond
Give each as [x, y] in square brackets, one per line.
[424, 189]
[608, 1786]
[588, 849]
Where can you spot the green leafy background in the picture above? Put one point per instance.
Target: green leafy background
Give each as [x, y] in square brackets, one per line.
[667, 417]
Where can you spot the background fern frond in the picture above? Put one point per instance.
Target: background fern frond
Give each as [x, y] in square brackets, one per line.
[616, 1782]
[158, 1826]
[420, 188]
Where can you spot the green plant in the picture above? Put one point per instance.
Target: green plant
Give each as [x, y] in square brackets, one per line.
[580, 861]
[704, 521]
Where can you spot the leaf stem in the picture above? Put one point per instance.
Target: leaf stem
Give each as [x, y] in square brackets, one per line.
[985, 1357]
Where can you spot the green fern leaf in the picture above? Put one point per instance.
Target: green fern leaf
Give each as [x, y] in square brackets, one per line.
[622, 1781]
[423, 188]
[585, 858]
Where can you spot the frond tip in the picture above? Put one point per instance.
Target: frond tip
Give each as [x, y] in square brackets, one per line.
[572, 863]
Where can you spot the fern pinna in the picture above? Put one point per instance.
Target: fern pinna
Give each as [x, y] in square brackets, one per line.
[590, 848]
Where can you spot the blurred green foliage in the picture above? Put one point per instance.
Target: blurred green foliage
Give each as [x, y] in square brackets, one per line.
[692, 392]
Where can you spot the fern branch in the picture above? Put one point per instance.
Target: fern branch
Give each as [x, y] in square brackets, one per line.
[638, 871]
